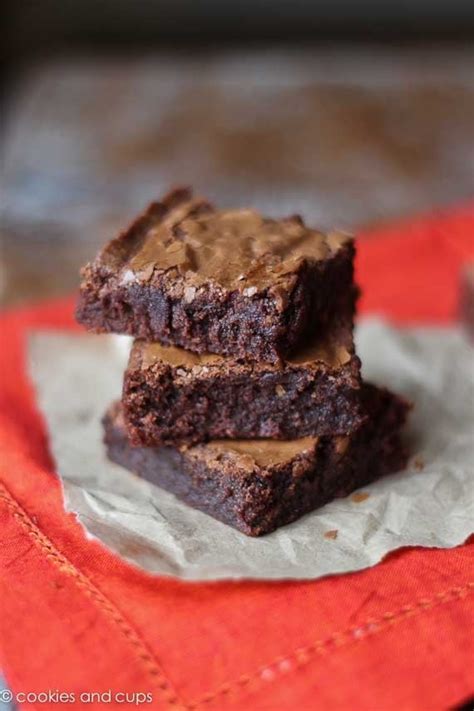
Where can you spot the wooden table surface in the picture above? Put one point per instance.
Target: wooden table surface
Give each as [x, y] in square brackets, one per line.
[347, 136]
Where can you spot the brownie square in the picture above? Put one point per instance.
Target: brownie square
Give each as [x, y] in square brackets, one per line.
[229, 282]
[259, 485]
[173, 396]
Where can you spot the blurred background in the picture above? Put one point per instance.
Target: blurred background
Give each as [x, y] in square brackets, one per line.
[351, 113]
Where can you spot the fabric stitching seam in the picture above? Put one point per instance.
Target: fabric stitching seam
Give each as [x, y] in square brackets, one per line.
[111, 611]
[304, 655]
[265, 673]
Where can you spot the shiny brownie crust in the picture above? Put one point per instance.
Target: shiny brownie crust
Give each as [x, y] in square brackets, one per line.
[258, 323]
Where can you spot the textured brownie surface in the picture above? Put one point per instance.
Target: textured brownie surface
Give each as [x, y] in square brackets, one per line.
[258, 485]
[229, 282]
[173, 396]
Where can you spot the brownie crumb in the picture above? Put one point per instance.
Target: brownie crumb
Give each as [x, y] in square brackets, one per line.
[418, 464]
[332, 534]
[466, 300]
[359, 497]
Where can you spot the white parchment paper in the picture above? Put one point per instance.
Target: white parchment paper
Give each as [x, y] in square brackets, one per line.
[431, 504]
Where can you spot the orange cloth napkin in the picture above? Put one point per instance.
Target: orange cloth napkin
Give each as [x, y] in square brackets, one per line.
[76, 619]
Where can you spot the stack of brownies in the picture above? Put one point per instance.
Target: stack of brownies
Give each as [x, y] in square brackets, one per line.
[243, 394]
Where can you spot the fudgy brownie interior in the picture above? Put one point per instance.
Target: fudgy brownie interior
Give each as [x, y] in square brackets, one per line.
[173, 396]
[228, 281]
[258, 485]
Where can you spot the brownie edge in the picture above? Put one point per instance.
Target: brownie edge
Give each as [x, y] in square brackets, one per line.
[257, 486]
[229, 282]
[172, 396]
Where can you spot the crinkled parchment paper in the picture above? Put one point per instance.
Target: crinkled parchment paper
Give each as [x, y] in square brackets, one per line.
[431, 504]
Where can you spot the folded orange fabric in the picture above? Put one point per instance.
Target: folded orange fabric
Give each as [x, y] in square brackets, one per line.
[75, 619]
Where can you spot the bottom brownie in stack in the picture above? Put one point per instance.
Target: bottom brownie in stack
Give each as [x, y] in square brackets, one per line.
[258, 485]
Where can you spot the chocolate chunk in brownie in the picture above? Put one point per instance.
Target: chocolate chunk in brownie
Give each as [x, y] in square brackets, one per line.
[228, 281]
[259, 485]
[173, 396]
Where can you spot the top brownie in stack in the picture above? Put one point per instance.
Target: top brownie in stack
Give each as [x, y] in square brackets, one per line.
[228, 282]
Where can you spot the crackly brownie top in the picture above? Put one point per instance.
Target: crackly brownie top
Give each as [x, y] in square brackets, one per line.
[147, 354]
[238, 249]
[247, 453]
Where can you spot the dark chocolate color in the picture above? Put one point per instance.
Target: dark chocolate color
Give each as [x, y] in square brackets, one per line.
[228, 282]
[172, 396]
[259, 485]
